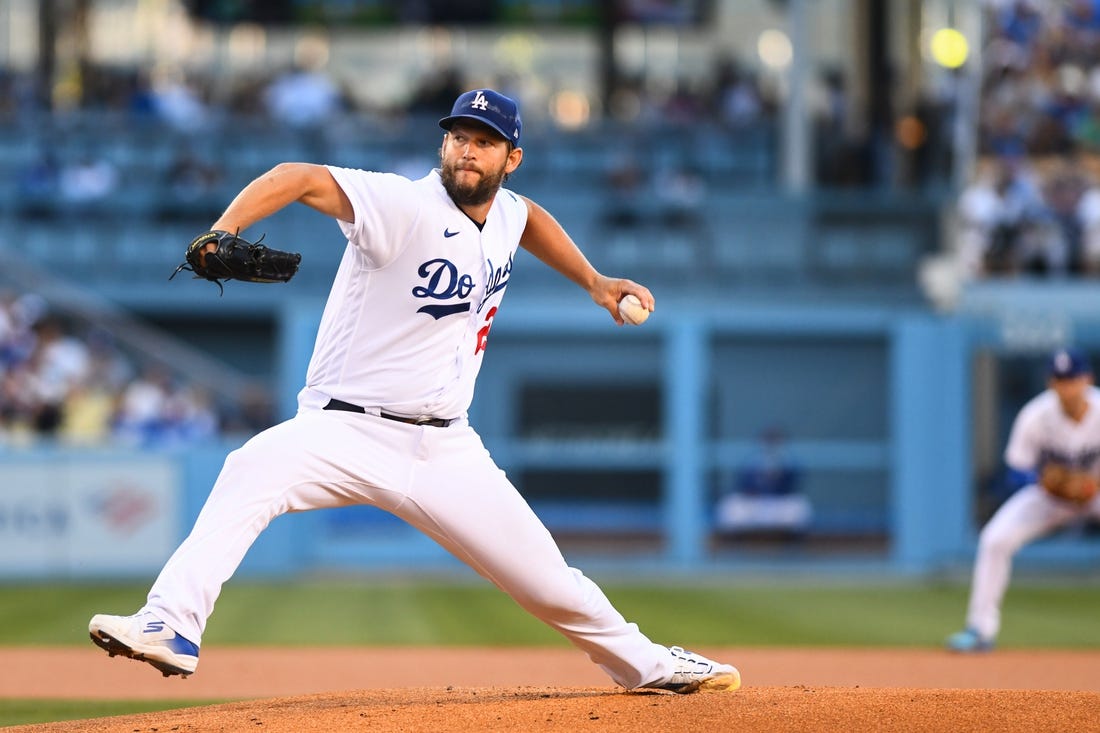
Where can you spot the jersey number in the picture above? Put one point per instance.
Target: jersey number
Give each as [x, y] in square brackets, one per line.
[483, 332]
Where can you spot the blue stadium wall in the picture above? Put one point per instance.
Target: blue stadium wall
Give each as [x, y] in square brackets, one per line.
[879, 403]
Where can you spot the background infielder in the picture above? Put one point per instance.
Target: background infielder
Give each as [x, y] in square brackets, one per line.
[1054, 449]
[382, 417]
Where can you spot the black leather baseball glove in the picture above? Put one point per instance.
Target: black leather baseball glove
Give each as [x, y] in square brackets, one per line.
[236, 258]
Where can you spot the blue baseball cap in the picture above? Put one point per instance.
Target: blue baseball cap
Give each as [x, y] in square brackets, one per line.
[1069, 363]
[488, 107]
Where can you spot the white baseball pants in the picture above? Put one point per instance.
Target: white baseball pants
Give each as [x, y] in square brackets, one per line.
[441, 481]
[1027, 515]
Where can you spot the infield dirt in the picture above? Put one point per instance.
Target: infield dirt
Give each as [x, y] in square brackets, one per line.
[457, 689]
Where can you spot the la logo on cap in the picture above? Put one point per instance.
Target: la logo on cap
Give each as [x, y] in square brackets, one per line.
[1063, 362]
[480, 102]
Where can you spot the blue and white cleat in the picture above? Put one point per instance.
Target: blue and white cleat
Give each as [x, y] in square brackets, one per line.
[969, 641]
[146, 638]
[694, 672]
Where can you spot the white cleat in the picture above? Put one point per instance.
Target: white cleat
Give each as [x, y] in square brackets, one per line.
[146, 638]
[695, 673]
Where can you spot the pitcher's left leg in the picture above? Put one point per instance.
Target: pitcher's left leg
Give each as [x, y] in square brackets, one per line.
[468, 505]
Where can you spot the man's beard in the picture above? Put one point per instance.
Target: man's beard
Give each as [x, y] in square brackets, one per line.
[476, 195]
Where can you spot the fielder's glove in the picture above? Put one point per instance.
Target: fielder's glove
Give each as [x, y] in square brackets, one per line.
[1065, 483]
[235, 258]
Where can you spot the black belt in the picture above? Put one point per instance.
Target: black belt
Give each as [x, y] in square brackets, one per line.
[435, 422]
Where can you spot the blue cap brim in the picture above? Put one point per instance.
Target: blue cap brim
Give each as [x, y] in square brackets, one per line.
[447, 122]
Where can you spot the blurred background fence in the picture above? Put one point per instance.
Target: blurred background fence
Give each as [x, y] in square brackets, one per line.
[862, 234]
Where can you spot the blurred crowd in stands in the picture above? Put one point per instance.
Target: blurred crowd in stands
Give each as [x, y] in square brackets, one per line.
[308, 100]
[78, 387]
[1033, 207]
[192, 140]
[308, 96]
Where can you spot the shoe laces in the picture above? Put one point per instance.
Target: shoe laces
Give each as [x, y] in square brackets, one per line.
[690, 665]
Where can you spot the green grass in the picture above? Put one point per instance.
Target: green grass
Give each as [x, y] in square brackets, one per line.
[27, 712]
[395, 612]
[373, 612]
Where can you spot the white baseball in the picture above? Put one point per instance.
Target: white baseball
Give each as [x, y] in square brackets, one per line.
[632, 310]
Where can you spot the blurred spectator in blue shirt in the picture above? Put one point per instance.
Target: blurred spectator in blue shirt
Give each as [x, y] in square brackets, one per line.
[766, 495]
[1063, 108]
[737, 98]
[305, 96]
[1064, 189]
[87, 180]
[177, 101]
[38, 185]
[1081, 22]
[1020, 22]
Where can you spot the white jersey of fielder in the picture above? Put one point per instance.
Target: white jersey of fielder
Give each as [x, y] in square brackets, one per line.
[1043, 432]
[405, 326]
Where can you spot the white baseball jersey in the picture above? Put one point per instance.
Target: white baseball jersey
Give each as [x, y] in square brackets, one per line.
[1043, 432]
[444, 283]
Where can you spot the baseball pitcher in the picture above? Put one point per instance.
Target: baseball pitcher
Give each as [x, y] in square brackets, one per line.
[382, 418]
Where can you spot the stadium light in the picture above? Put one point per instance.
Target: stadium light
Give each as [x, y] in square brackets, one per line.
[949, 48]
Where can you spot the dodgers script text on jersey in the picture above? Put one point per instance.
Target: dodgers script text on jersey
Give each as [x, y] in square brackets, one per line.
[425, 365]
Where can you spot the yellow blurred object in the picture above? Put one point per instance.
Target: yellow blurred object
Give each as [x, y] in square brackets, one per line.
[949, 48]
